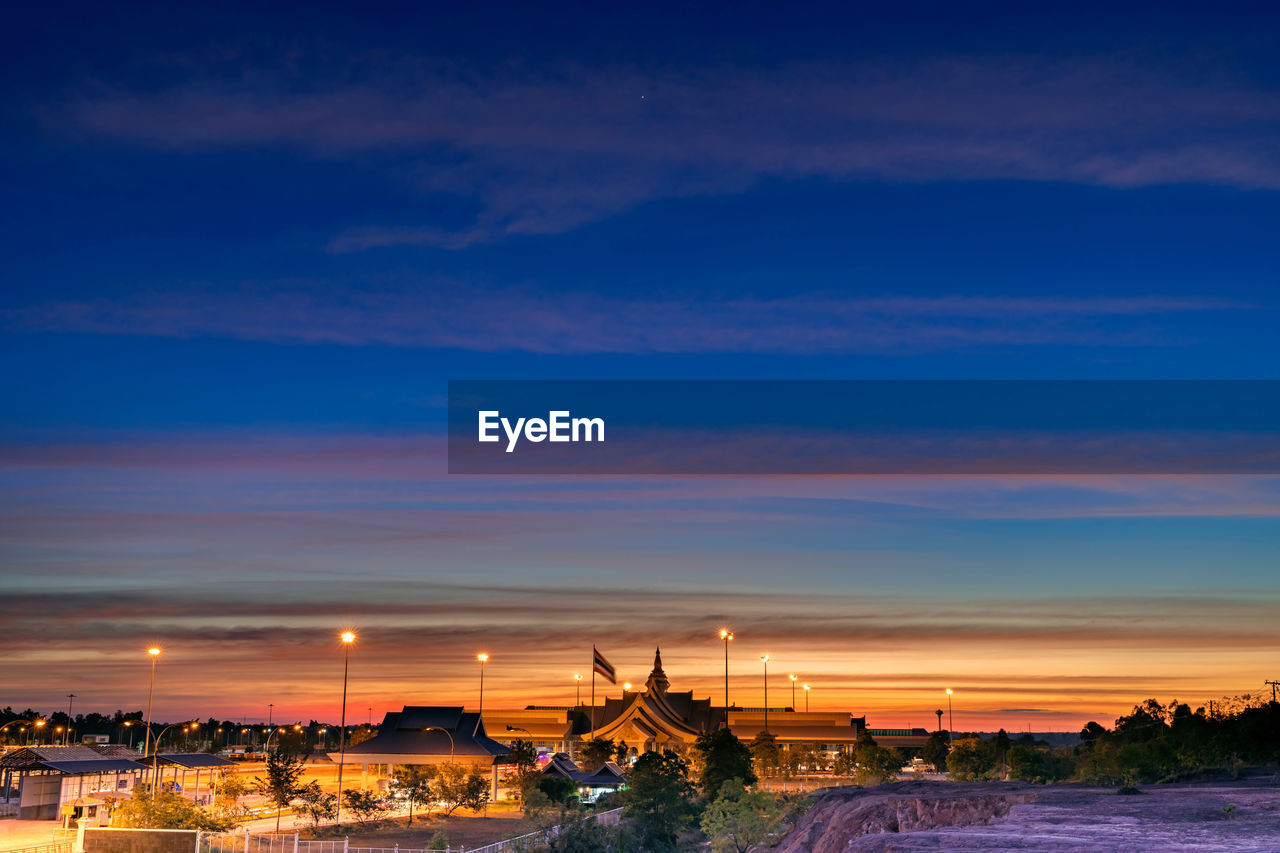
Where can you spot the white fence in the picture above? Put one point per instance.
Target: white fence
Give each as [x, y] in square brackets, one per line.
[526, 842]
[244, 842]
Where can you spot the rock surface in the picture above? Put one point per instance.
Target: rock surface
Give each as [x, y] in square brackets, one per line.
[907, 817]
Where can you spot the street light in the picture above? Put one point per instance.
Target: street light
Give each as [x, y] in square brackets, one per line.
[951, 720]
[626, 685]
[347, 637]
[71, 697]
[155, 653]
[483, 657]
[793, 678]
[577, 677]
[452, 750]
[806, 698]
[764, 659]
[40, 724]
[155, 753]
[726, 635]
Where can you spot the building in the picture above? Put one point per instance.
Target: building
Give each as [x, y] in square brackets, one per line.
[426, 734]
[607, 778]
[656, 717]
[66, 781]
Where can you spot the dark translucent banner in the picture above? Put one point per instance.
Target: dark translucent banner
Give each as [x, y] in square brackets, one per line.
[864, 427]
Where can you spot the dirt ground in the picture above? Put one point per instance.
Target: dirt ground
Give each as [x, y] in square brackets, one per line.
[462, 829]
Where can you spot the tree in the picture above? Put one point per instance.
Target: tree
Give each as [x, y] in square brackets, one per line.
[764, 749]
[457, 788]
[595, 753]
[739, 819]
[585, 836]
[935, 750]
[414, 780]
[315, 804]
[439, 841]
[165, 809]
[723, 757]
[362, 804]
[231, 787]
[970, 760]
[659, 799]
[281, 786]
[873, 764]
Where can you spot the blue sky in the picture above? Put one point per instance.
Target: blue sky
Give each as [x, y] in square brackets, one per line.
[246, 247]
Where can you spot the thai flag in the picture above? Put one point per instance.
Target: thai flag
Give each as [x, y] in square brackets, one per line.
[602, 666]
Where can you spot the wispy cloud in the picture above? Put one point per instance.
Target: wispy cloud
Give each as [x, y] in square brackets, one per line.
[548, 150]
[447, 315]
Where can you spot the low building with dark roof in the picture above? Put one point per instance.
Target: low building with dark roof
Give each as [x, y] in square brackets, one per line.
[427, 734]
[49, 780]
[605, 779]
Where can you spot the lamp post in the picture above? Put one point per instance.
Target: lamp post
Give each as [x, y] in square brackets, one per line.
[951, 720]
[452, 749]
[793, 678]
[483, 657]
[155, 754]
[726, 635]
[347, 637]
[39, 724]
[71, 697]
[806, 698]
[155, 653]
[764, 659]
[577, 696]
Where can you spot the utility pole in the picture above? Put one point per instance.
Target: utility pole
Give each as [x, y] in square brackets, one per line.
[66, 735]
[1273, 690]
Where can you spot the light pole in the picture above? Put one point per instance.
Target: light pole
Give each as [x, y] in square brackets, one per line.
[939, 713]
[452, 749]
[483, 657]
[577, 696]
[793, 678]
[71, 697]
[764, 659]
[347, 637]
[726, 635]
[155, 653]
[128, 724]
[39, 724]
[155, 754]
[806, 698]
[951, 720]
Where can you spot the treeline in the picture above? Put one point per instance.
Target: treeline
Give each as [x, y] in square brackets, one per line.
[1153, 743]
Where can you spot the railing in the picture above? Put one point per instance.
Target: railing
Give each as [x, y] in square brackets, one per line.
[271, 843]
[52, 847]
[522, 842]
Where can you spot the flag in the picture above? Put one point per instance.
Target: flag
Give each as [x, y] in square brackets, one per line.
[602, 666]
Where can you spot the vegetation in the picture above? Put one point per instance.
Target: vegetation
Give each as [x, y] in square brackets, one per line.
[166, 809]
[414, 782]
[281, 786]
[740, 818]
[723, 757]
[457, 787]
[315, 804]
[659, 800]
[1153, 743]
[362, 805]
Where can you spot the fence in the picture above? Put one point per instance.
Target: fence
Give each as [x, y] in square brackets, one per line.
[525, 842]
[52, 847]
[231, 842]
[249, 843]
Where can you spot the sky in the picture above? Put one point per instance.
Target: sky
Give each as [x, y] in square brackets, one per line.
[246, 247]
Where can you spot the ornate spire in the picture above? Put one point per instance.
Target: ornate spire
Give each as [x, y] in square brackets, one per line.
[657, 679]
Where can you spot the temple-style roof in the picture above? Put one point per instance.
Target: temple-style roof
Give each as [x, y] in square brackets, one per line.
[608, 775]
[428, 734]
[654, 713]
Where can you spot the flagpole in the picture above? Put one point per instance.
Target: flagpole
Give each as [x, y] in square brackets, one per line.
[593, 690]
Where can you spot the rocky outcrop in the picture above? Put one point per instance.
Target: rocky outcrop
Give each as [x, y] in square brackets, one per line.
[842, 816]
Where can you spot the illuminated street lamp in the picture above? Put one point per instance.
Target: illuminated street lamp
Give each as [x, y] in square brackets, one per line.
[764, 659]
[626, 685]
[726, 635]
[155, 653]
[483, 657]
[806, 698]
[347, 637]
[793, 678]
[577, 678]
[951, 720]
[40, 724]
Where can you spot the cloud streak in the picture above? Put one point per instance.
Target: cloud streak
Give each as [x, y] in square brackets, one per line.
[548, 150]
[446, 315]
